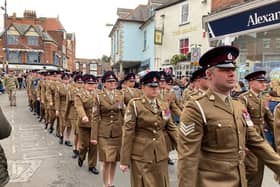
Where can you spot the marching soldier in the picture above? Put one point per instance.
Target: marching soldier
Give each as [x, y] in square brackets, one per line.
[41, 93]
[144, 148]
[11, 84]
[260, 116]
[200, 84]
[129, 91]
[215, 130]
[168, 96]
[50, 98]
[71, 115]
[107, 129]
[29, 83]
[60, 106]
[85, 106]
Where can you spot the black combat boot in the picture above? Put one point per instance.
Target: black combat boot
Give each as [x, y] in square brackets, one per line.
[61, 140]
[80, 162]
[93, 170]
[75, 154]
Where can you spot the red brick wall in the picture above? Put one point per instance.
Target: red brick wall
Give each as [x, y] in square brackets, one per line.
[218, 5]
[48, 48]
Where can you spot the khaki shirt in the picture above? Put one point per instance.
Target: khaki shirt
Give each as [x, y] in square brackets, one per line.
[144, 132]
[109, 114]
[70, 110]
[170, 97]
[85, 106]
[212, 140]
[258, 112]
[130, 93]
[50, 94]
[60, 96]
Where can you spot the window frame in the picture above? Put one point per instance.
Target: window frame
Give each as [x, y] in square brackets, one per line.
[188, 47]
[12, 39]
[182, 21]
[33, 40]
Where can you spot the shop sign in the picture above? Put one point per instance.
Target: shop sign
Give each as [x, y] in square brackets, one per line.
[252, 19]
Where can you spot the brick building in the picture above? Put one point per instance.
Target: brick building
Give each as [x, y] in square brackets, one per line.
[251, 25]
[35, 43]
[89, 66]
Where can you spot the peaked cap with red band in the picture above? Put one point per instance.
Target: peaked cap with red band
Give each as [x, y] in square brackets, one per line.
[222, 57]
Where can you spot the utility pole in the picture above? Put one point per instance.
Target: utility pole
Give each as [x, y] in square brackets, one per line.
[6, 57]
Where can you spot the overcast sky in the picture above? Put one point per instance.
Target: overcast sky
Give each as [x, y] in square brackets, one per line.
[86, 18]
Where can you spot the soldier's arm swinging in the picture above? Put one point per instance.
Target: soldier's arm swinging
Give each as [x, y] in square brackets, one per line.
[190, 135]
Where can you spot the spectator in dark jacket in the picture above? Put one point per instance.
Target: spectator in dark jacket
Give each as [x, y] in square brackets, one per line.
[5, 131]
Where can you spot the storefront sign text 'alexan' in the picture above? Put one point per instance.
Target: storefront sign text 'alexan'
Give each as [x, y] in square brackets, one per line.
[259, 19]
[256, 18]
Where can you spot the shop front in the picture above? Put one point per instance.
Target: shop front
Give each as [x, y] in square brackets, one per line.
[253, 27]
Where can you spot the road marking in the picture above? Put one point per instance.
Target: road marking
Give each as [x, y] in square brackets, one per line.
[22, 170]
[13, 149]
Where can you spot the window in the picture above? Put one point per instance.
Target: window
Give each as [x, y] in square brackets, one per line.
[116, 42]
[12, 39]
[266, 43]
[145, 40]
[184, 13]
[93, 68]
[14, 57]
[32, 40]
[84, 68]
[55, 58]
[184, 46]
[277, 43]
[33, 57]
[77, 66]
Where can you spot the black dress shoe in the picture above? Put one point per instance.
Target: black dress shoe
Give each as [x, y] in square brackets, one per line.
[61, 140]
[68, 143]
[46, 125]
[170, 162]
[80, 162]
[51, 130]
[93, 170]
[75, 154]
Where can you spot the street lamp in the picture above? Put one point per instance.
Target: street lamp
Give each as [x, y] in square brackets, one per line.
[6, 58]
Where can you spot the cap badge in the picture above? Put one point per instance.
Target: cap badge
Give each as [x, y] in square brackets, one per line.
[111, 77]
[155, 79]
[229, 56]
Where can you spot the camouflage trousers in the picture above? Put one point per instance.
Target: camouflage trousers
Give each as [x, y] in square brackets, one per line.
[12, 96]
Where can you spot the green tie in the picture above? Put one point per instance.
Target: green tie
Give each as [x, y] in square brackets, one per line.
[154, 105]
[228, 102]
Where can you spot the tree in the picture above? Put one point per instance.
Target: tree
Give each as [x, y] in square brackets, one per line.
[106, 59]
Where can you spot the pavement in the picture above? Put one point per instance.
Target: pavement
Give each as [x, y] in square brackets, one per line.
[35, 159]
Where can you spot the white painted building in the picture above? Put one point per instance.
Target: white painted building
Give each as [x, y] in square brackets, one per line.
[178, 30]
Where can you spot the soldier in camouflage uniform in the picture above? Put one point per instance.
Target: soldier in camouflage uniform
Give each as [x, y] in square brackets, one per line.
[11, 84]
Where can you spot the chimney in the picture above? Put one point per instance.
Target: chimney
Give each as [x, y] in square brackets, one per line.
[14, 16]
[29, 14]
